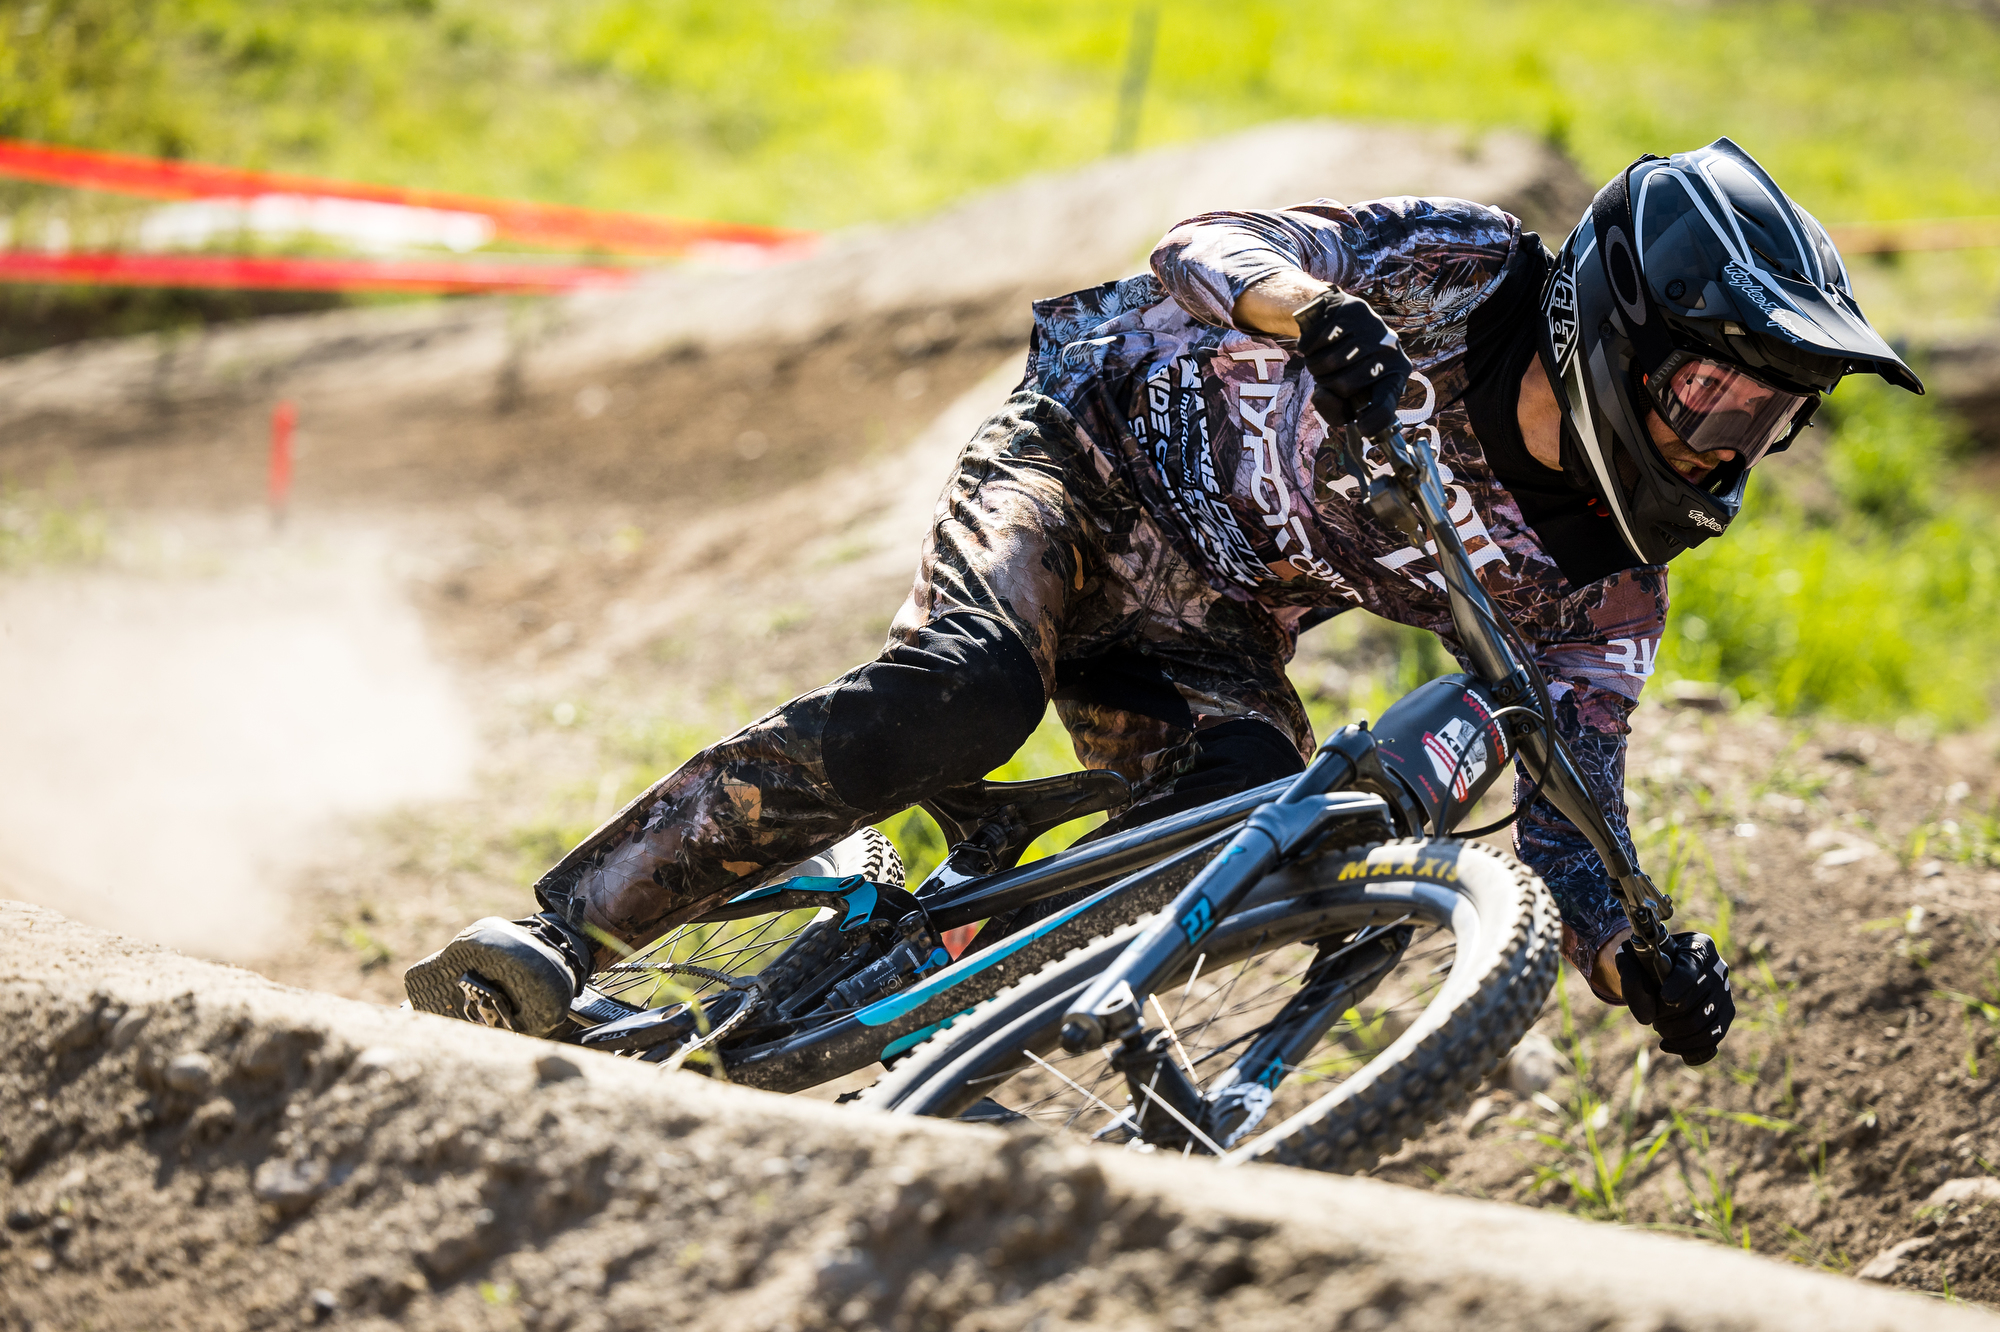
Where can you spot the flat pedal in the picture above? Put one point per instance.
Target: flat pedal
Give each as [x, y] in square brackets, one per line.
[481, 1002]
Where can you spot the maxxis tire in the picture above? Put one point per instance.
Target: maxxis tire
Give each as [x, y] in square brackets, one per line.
[1509, 967]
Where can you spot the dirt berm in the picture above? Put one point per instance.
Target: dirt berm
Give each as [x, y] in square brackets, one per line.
[189, 1145]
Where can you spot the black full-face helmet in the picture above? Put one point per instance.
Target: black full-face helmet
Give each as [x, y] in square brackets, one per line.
[1695, 289]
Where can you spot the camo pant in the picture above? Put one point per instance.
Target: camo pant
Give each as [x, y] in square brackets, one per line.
[1040, 579]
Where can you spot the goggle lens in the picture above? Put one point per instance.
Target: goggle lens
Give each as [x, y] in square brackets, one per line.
[1712, 405]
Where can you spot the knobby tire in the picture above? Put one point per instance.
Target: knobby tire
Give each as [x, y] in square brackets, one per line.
[1508, 967]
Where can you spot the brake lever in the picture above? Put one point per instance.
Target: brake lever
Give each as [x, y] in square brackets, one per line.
[1383, 496]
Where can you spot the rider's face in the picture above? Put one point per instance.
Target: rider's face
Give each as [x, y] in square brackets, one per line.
[1719, 395]
[1692, 466]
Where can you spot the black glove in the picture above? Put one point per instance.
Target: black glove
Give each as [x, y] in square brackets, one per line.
[1691, 1008]
[1357, 365]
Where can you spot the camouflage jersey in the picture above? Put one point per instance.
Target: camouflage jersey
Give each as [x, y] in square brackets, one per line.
[1211, 428]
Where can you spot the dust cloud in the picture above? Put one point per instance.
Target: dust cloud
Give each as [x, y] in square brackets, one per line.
[178, 734]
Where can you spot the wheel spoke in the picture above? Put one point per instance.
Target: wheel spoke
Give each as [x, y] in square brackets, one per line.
[1218, 1011]
[734, 947]
[1074, 1086]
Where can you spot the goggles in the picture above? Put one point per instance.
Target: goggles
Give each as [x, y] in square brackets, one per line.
[1714, 405]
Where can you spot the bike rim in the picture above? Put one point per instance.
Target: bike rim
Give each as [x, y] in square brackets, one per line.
[1212, 1013]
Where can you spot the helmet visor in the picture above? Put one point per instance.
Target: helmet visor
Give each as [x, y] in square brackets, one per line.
[1713, 405]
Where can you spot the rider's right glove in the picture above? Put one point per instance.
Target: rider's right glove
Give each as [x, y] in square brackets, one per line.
[1691, 1009]
[1358, 366]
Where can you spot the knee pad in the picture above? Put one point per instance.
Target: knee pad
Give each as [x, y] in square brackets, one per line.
[1237, 755]
[1230, 757]
[947, 709]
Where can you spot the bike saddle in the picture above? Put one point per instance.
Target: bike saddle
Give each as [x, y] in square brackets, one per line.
[1002, 818]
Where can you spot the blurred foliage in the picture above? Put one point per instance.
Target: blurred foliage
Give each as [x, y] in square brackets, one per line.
[818, 113]
[824, 113]
[1880, 600]
[37, 532]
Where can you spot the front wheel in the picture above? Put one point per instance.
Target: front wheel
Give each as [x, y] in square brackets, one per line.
[1347, 1003]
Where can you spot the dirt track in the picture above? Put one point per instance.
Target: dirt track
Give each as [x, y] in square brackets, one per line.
[646, 396]
[188, 1145]
[1852, 1109]
[682, 530]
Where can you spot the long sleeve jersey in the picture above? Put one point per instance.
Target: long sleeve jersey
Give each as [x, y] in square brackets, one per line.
[1211, 426]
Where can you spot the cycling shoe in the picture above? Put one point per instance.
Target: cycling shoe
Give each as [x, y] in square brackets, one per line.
[519, 975]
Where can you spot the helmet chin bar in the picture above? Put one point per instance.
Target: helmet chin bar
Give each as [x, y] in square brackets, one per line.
[1655, 504]
[1727, 479]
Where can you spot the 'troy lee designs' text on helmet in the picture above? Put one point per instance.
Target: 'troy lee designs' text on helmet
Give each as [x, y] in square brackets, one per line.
[1696, 289]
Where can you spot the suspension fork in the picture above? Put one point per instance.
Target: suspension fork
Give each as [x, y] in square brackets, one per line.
[1415, 504]
[1170, 1107]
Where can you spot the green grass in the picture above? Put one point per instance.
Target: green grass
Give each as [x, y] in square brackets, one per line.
[1598, 1152]
[816, 113]
[1857, 581]
[1971, 839]
[36, 531]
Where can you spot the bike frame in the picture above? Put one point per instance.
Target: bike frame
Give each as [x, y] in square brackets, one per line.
[1433, 754]
[1149, 865]
[1505, 686]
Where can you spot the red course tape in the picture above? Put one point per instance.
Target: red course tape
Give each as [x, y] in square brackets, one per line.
[537, 223]
[279, 274]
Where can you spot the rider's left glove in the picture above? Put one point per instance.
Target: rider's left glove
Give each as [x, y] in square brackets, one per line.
[1691, 1009]
[1358, 366]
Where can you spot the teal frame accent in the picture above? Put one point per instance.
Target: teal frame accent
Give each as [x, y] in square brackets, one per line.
[917, 1037]
[884, 1011]
[860, 894]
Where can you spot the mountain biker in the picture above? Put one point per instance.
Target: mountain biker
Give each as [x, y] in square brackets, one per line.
[1142, 531]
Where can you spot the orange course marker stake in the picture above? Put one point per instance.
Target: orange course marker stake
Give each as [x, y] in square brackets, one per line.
[283, 417]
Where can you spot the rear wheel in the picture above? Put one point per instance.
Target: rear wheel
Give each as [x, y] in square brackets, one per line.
[1345, 1004]
[701, 963]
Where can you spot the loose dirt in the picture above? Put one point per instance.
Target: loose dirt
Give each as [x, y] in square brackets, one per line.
[181, 724]
[1853, 879]
[189, 1146]
[619, 535]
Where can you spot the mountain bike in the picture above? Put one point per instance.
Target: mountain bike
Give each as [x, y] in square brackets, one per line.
[1316, 953]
